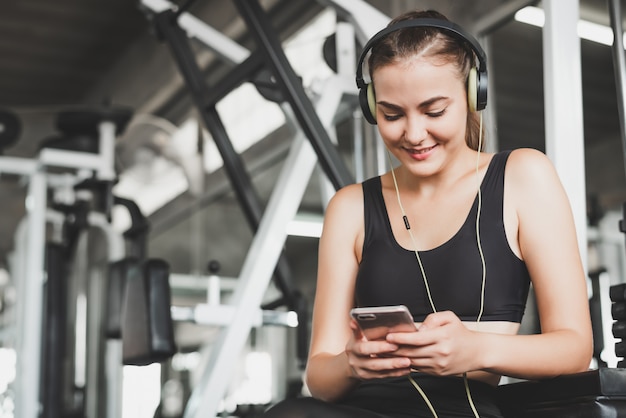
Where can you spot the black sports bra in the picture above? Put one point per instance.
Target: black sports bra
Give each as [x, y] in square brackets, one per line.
[389, 274]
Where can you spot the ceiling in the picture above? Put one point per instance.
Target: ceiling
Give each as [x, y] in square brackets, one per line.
[54, 53]
[86, 53]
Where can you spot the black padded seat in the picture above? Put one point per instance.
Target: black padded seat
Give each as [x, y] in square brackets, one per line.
[597, 393]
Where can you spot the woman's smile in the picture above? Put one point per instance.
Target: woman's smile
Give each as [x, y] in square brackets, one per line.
[420, 154]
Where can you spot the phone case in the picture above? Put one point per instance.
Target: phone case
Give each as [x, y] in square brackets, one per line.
[376, 322]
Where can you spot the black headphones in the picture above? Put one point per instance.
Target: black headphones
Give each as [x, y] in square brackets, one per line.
[476, 82]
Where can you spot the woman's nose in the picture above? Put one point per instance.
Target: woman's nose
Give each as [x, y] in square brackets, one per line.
[414, 130]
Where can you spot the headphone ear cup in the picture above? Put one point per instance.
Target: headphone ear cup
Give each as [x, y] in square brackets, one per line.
[371, 101]
[367, 100]
[472, 90]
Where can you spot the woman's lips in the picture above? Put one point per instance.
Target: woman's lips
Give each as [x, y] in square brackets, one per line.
[420, 154]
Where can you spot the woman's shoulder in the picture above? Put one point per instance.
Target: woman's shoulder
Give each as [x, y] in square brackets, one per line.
[528, 163]
[347, 198]
[525, 156]
[349, 192]
[531, 173]
[343, 217]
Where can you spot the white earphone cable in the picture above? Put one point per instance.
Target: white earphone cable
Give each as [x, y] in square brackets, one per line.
[419, 261]
[482, 260]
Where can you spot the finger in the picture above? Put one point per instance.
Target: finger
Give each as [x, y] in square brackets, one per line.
[424, 352]
[387, 365]
[412, 339]
[374, 348]
[438, 319]
[356, 331]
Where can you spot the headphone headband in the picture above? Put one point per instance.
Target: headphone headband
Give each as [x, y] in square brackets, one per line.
[479, 84]
[448, 26]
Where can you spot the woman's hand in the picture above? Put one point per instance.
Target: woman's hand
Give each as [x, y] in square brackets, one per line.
[374, 359]
[442, 346]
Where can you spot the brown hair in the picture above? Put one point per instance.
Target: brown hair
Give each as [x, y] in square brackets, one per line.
[428, 42]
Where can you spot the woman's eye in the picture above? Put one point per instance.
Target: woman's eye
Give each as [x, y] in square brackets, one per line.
[391, 117]
[437, 113]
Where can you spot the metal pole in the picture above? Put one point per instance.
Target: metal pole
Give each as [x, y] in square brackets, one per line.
[29, 354]
[619, 67]
[565, 143]
[113, 347]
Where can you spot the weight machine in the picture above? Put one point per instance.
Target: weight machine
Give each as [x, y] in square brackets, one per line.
[67, 366]
[29, 260]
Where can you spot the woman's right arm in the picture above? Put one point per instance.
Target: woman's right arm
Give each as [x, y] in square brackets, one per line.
[338, 358]
[328, 374]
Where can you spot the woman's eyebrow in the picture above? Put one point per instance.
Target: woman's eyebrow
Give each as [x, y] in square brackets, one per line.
[424, 104]
[432, 100]
[389, 105]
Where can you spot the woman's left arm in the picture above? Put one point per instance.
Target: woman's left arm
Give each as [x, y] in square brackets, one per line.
[549, 246]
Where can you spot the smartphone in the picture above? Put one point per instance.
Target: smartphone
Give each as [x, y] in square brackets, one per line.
[378, 321]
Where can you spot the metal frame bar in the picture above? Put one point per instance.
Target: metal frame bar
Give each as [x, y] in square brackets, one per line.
[330, 161]
[30, 301]
[113, 347]
[227, 49]
[565, 144]
[242, 72]
[18, 165]
[233, 164]
[80, 160]
[222, 315]
[619, 67]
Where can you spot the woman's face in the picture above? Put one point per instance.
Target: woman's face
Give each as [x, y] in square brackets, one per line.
[421, 112]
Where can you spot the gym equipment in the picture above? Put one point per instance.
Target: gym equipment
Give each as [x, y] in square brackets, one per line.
[53, 178]
[476, 83]
[118, 272]
[618, 312]
[147, 331]
[599, 297]
[138, 323]
[54, 331]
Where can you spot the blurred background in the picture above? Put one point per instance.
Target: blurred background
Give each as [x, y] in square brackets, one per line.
[198, 158]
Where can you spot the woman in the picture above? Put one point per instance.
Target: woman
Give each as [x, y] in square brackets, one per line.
[484, 226]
